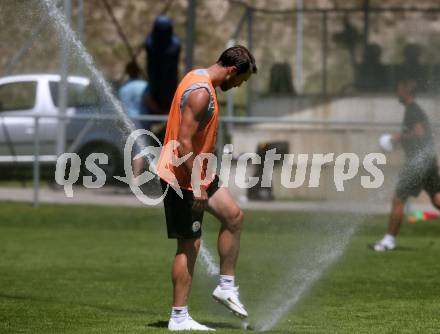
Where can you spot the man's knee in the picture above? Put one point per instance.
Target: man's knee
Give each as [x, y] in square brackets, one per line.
[234, 221]
[398, 201]
[398, 207]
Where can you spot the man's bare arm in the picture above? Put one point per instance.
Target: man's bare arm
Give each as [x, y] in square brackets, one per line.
[193, 114]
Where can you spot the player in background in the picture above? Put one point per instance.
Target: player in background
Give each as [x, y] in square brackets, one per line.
[192, 123]
[420, 171]
[130, 93]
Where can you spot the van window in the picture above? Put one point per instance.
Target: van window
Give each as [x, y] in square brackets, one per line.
[78, 95]
[18, 96]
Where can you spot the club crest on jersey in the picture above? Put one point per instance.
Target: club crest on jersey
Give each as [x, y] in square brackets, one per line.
[196, 226]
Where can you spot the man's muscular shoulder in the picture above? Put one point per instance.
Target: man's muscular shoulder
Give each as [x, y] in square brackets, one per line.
[198, 101]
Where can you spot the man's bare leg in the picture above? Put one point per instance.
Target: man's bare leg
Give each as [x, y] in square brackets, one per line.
[396, 216]
[183, 270]
[182, 274]
[222, 206]
[388, 242]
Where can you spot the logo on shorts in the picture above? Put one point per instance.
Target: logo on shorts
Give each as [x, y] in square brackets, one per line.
[196, 226]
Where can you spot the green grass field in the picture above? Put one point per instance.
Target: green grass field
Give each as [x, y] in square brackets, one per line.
[88, 269]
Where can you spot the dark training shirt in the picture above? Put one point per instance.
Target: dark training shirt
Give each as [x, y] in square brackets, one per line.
[417, 147]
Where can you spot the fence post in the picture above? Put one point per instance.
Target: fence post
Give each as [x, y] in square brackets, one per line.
[299, 49]
[81, 20]
[63, 84]
[189, 38]
[230, 96]
[250, 37]
[220, 138]
[36, 173]
[324, 52]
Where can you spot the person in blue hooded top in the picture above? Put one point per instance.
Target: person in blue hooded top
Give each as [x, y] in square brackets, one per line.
[163, 50]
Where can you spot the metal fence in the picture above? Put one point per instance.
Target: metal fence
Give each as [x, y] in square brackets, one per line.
[229, 131]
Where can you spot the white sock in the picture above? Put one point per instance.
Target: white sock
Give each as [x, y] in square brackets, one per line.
[227, 282]
[389, 239]
[179, 314]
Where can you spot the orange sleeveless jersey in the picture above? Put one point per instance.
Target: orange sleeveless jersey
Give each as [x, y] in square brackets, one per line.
[203, 141]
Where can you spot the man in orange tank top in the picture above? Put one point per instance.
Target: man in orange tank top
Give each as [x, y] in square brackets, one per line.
[192, 124]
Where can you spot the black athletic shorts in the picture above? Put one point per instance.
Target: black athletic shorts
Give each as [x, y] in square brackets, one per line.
[182, 221]
[414, 179]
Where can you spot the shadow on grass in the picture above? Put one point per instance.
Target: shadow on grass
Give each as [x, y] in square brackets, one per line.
[396, 250]
[158, 324]
[216, 325]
